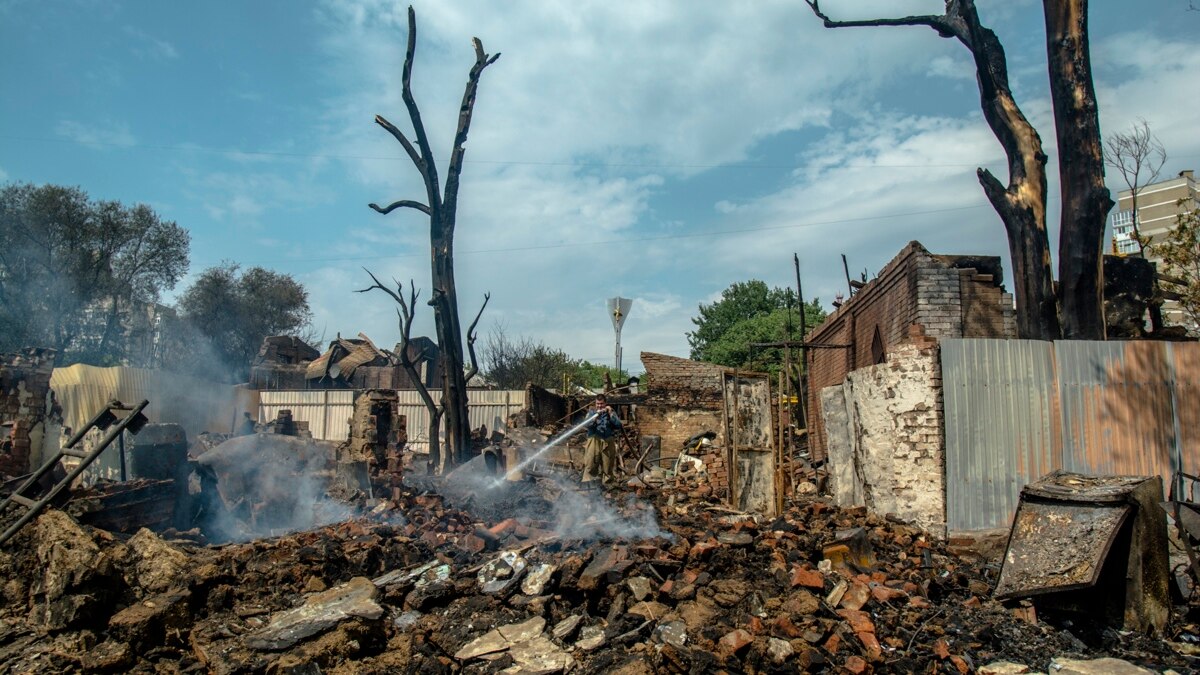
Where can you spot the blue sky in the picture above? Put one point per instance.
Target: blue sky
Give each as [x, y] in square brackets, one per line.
[659, 151]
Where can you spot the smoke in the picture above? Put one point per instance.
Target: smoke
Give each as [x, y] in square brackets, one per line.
[588, 515]
[575, 513]
[269, 485]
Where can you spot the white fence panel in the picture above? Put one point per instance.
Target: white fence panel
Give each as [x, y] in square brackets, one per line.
[487, 408]
[327, 411]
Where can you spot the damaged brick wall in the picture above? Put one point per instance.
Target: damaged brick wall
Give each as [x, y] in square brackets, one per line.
[25, 401]
[684, 398]
[376, 426]
[885, 432]
[543, 407]
[916, 293]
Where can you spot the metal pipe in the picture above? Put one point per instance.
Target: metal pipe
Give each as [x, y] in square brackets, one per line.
[121, 450]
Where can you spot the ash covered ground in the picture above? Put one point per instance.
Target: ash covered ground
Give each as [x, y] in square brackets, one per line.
[531, 577]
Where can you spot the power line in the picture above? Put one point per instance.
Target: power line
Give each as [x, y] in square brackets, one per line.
[497, 162]
[630, 240]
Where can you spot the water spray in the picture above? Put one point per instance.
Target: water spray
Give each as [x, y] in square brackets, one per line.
[557, 439]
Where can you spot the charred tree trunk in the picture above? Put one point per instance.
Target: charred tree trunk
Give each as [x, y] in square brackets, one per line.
[406, 312]
[1022, 203]
[1085, 199]
[442, 211]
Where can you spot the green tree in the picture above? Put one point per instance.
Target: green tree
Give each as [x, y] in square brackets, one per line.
[76, 274]
[511, 363]
[235, 310]
[750, 312]
[1180, 253]
[591, 375]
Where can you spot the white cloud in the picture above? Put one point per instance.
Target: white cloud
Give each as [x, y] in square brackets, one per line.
[95, 135]
[595, 111]
[592, 111]
[953, 68]
[3, 175]
[144, 45]
[1142, 76]
[245, 196]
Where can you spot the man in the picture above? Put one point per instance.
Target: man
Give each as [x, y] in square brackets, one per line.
[600, 455]
[247, 428]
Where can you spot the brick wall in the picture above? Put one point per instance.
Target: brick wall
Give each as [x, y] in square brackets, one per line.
[543, 407]
[936, 294]
[684, 398]
[24, 399]
[886, 438]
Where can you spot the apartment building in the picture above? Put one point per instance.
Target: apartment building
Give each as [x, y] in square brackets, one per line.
[1159, 205]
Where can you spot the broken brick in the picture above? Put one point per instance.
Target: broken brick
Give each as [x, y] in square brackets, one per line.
[807, 578]
[734, 641]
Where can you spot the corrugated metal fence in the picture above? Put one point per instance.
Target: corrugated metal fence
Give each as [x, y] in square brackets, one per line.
[328, 412]
[1018, 409]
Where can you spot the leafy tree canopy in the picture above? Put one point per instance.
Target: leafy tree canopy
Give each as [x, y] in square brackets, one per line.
[77, 274]
[235, 310]
[750, 312]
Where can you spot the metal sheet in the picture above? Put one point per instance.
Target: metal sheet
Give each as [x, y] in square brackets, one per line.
[485, 408]
[1185, 371]
[327, 411]
[1117, 407]
[196, 405]
[1058, 546]
[1001, 428]
[1017, 409]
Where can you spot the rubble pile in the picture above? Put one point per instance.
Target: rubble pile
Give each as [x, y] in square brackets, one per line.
[419, 585]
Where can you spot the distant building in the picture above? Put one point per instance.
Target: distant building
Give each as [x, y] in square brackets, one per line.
[1159, 205]
[132, 335]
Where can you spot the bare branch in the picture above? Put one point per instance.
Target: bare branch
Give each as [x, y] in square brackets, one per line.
[471, 336]
[1138, 156]
[945, 25]
[428, 166]
[465, 112]
[405, 313]
[399, 136]
[1134, 152]
[402, 203]
[1022, 203]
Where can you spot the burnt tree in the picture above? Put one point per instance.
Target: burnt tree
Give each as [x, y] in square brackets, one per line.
[1085, 199]
[405, 313]
[1022, 203]
[442, 208]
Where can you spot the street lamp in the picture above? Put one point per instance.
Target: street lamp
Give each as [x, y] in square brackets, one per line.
[618, 309]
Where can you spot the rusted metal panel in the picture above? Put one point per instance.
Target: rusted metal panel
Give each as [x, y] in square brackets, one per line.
[1118, 407]
[1001, 426]
[1185, 369]
[1017, 409]
[1058, 547]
